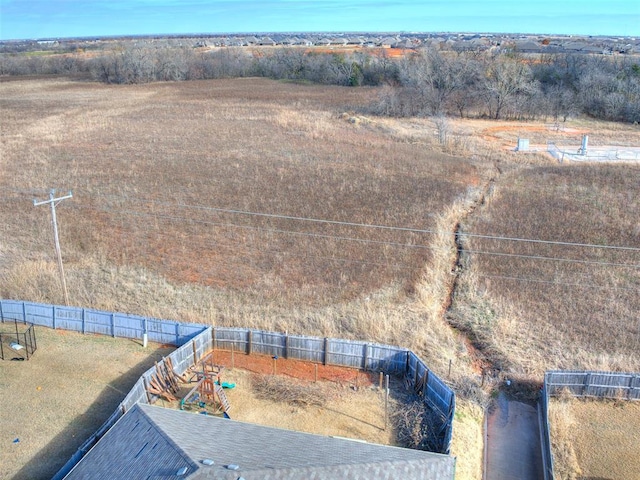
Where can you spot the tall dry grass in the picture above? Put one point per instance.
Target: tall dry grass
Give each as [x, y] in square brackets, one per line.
[156, 170]
[550, 306]
[562, 425]
[139, 158]
[148, 164]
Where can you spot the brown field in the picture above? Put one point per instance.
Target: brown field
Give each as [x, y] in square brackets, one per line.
[168, 180]
[595, 439]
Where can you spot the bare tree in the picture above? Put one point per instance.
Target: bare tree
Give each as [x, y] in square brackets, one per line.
[505, 79]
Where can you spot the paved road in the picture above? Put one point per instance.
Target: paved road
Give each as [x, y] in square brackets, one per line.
[513, 442]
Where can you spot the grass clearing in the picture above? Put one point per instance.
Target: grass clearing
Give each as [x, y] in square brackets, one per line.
[56, 400]
[595, 438]
[166, 178]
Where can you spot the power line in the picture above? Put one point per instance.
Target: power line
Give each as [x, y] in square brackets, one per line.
[369, 241]
[536, 280]
[286, 253]
[400, 266]
[384, 227]
[342, 259]
[555, 259]
[389, 227]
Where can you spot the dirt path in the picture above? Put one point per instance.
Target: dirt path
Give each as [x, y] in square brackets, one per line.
[513, 442]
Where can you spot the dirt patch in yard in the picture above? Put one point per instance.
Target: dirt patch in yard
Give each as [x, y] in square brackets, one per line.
[327, 408]
[336, 400]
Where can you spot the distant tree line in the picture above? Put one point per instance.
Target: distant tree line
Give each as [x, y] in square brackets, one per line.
[429, 82]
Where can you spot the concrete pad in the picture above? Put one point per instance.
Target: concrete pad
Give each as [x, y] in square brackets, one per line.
[513, 442]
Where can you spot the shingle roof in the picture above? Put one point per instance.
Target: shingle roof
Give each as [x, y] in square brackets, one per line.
[153, 442]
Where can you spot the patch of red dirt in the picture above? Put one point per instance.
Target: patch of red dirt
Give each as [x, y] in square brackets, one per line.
[265, 364]
[492, 134]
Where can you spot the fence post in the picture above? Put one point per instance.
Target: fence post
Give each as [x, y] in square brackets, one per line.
[326, 351]
[1, 313]
[53, 317]
[286, 346]
[213, 338]
[24, 313]
[83, 321]
[145, 334]
[249, 340]
[177, 334]
[365, 355]
[425, 388]
[587, 384]
[113, 324]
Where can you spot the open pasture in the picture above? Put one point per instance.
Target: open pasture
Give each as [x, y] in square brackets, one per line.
[285, 207]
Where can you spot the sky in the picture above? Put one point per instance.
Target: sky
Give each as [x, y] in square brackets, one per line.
[33, 19]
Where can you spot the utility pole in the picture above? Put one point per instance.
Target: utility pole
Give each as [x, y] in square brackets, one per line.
[53, 202]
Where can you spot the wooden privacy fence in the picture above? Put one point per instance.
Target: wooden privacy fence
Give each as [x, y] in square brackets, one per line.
[613, 385]
[594, 384]
[86, 320]
[182, 359]
[355, 354]
[195, 340]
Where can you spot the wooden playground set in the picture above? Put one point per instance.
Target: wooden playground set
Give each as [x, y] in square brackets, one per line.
[206, 393]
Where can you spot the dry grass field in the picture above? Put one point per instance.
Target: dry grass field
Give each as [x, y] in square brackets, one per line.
[595, 439]
[249, 202]
[561, 305]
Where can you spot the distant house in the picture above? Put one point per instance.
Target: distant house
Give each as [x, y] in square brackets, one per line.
[266, 41]
[339, 41]
[151, 442]
[388, 42]
[528, 46]
[251, 40]
[355, 41]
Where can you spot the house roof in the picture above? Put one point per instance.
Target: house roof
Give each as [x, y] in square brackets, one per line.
[151, 442]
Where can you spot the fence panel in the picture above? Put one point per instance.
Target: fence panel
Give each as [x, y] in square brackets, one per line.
[231, 339]
[129, 326]
[97, 322]
[137, 394]
[38, 314]
[203, 343]
[182, 358]
[161, 331]
[67, 318]
[345, 353]
[439, 395]
[10, 311]
[267, 343]
[310, 349]
[386, 358]
[594, 384]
